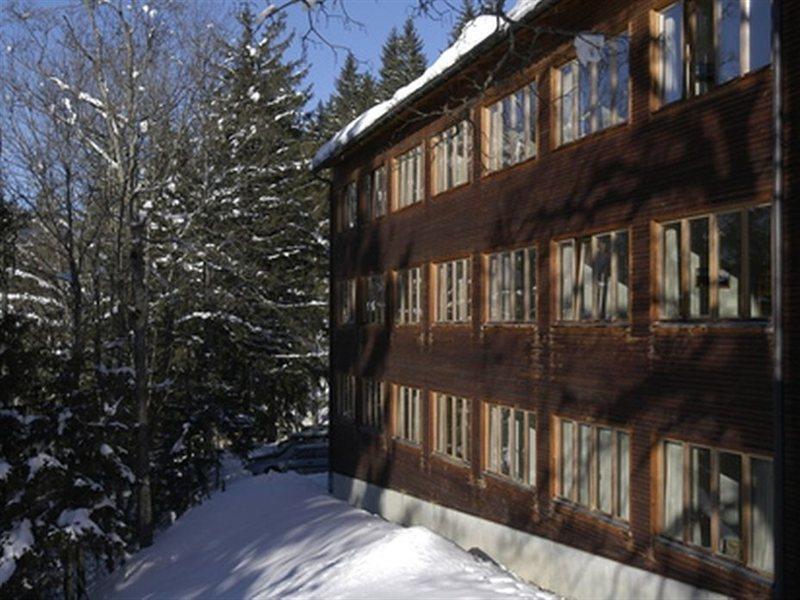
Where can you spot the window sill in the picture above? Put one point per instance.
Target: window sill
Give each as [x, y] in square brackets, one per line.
[407, 207]
[454, 324]
[593, 135]
[450, 460]
[407, 444]
[708, 557]
[443, 194]
[491, 174]
[592, 324]
[509, 325]
[755, 325]
[600, 517]
[506, 480]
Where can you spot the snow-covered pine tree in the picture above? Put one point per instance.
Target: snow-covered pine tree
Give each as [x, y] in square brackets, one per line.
[354, 92]
[402, 59]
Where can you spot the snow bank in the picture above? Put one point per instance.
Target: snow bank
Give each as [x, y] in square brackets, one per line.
[282, 535]
[472, 35]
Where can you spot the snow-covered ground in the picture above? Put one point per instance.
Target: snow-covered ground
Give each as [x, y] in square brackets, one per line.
[281, 535]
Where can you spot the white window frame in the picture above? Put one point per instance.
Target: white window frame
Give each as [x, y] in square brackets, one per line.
[349, 211]
[448, 435]
[685, 287]
[688, 499]
[452, 157]
[520, 471]
[572, 80]
[410, 293]
[408, 414]
[568, 484]
[376, 193]
[454, 291]
[409, 168]
[585, 295]
[504, 146]
[501, 285]
[346, 301]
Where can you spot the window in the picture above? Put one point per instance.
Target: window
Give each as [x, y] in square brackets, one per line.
[345, 395]
[512, 129]
[453, 288]
[452, 156]
[408, 414]
[594, 467]
[375, 305]
[409, 296]
[346, 301]
[512, 443]
[349, 207]
[409, 177]
[703, 43]
[717, 266]
[594, 95]
[453, 426]
[594, 278]
[376, 193]
[706, 496]
[373, 402]
[512, 286]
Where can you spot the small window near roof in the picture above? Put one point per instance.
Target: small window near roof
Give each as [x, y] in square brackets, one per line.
[512, 129]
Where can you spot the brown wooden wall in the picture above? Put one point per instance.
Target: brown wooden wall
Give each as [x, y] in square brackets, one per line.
[704, 383]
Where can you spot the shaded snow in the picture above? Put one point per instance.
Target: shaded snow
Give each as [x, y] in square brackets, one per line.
[5, 469]
[15, 543]
[473, 34]
[75, 523]
[282, 535]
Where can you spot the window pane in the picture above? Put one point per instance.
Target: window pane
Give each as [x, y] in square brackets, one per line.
[730, 511]
[698, 268]
[532, 103]
[700, 516]
[602, 276]
[588, 279]
[622, 49]
[586, 103]
[762, 522]
[505, 441]
[605, 107]
[531, 449]
[532, 284]
[671, 301]
[760, 20]
[730, 263]
[568, 85]
[728, 35]
[567, 260]
[494, 287]
[623, 475]
[673, 490]
[672, 53]
[621, 256]
[760, 275]
[519, 440]
[702, 63]
[519, 285]
[505, 287]
[604, 466]
[567, 481]
[584, 464]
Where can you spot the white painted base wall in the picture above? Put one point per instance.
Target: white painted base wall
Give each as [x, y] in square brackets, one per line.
[553, 566]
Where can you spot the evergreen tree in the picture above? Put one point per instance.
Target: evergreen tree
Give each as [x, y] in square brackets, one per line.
[402, 59]
[466, 13]
[354, 92]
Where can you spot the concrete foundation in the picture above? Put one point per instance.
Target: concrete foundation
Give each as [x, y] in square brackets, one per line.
[553, 566]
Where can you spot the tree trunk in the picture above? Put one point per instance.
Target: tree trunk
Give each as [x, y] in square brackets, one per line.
[141, 391]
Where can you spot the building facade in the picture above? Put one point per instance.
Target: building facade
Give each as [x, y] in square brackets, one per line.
[552, 312]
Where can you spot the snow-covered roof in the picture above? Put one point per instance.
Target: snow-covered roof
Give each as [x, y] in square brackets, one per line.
[474, 33]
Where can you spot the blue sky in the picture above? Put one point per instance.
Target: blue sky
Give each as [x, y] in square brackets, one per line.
[376, 18]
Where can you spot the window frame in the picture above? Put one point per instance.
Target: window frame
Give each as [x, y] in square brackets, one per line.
[374, 309]
[348, 207]
[372, 189]
[446, 142]
[373, 410]
[657, 62]
[439, 445]
[398, 200]
[618, 515]
[493, 467]
[745, 501]
[399, 301]
[559, 94]
[529, 303]
[346, 386]
[578, 274]
[493, 141]
[744, 310]
[440, 293]
[399, 430]
[346, 301]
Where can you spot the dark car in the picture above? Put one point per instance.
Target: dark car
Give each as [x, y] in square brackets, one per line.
[305, 451]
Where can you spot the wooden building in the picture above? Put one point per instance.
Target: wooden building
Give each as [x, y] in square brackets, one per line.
[552, 317]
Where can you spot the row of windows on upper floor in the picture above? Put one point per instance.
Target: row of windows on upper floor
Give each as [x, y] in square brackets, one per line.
[713, 266]
[697, 44]
[717, 501]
